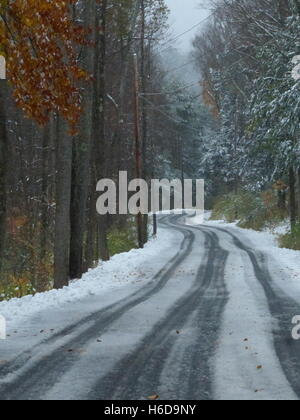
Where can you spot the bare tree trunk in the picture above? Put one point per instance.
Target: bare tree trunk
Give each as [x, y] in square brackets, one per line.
[3, 166]
[126, 63]
[138, 151]
[46, 171]
[99, 126]
[90, 250]
[282, 200]
[293, 202]
[145, 168]
[298, 194]
[81, 158]
[63, 202]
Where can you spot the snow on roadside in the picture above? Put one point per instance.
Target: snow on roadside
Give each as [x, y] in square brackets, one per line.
[122, 270]
[246, 365]
[287, 260]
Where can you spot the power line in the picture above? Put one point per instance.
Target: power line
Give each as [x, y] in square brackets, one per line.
[181, 67]
[167, 42]
[171, 93]
[173, 104]
[170, 117]
[183, 33]
[187, 31]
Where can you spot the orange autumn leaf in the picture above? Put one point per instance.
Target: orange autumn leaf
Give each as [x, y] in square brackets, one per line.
[39, 39]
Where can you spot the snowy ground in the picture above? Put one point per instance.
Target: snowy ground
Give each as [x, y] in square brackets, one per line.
[124, 270]
[248, 327]
[244, 312]
[133, 269]
[288, 260]
[127, 270]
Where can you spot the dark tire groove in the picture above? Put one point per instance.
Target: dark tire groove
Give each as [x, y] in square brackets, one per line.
[138, 374]
[38, 379]
[282, 308]
[20, 361]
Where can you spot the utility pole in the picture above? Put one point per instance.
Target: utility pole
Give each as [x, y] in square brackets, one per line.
[144, 133]
[138, 154]
[155, 224]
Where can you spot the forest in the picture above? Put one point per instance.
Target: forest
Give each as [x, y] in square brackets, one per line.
[68, 118]
[248, 56]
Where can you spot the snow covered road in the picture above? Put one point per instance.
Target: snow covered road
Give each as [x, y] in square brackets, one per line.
[210, 320]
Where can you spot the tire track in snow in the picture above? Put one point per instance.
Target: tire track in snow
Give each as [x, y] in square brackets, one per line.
[21, 360]
[282, 308]
[44, 373]
[140, 373]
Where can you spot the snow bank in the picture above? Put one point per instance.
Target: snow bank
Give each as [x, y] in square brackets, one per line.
[122, 270]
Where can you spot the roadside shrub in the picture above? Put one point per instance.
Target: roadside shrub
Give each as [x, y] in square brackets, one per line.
[16, 288]
[252, 211]
[122, 239]
[225, 208]
[291, 240]
[232, 207]
[24, 271]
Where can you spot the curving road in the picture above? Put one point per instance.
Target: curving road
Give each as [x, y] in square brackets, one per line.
[182, 336]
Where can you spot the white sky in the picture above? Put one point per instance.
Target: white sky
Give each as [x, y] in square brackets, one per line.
[185, 14]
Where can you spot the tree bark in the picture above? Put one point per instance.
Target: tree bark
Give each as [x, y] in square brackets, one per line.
[3, 166]
[293, 202]
[144, 130]
[63, 201]
[298, 194]
[90, 250]
[99, 126]
[282, 200]
[47, 145]
[81, 158]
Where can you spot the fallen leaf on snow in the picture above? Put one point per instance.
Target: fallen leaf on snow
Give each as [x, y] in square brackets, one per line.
[153, 397]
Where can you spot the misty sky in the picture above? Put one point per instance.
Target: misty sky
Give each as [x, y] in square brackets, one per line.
[185, 14]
